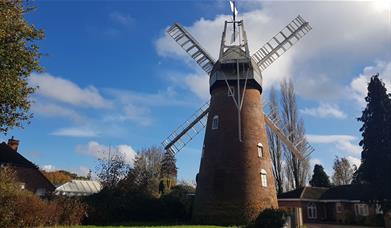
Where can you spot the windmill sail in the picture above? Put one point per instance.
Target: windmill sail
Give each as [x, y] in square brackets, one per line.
[187, 131]
[281, 42]
[307, 148]
[192, 47]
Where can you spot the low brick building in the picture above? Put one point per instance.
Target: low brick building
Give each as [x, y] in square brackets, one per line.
[27, 174]
[345, 204]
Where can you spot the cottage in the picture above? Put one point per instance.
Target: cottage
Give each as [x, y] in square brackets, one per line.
[345, 204]
[27, 174]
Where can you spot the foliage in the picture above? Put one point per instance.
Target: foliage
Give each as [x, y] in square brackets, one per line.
[60, 177]
[319, 178]
[343, 171]
[270, 218]
[19, 57]
[296, 170]
[147, 167]
[375, 166]
[178, 203]
[168, 167]
[21, 208]
[111, 170]
[275, 144]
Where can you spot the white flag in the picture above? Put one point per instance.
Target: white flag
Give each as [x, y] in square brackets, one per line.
[233, 8]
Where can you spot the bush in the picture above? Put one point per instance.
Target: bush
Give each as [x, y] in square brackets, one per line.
[270, 218]
[21, 208]
[179, 202]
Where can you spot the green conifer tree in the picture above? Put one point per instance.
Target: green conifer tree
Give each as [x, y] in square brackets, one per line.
[319, 178]
[375, 168]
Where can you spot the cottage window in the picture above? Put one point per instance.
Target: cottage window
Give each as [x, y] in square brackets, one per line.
[215, 122]
[361, 209]
[339, 207]
[312, 212]
[379, 209]
[260, 150]
[263, 178]
[231, 91]
[40, 192]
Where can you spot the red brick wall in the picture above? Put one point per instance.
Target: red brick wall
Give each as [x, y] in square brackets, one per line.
[229, 187]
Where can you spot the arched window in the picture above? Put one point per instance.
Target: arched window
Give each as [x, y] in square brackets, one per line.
[312, 212]
[263, 178]
[260, 150]
[215, 122]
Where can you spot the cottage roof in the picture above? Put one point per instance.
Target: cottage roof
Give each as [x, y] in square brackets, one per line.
[8, 156]
[349, 192]
[304, 193]
[80, 187]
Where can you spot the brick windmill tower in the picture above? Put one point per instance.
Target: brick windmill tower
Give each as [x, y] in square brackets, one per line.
[235, 181]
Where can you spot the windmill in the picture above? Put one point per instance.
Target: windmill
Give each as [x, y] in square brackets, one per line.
[235, 181]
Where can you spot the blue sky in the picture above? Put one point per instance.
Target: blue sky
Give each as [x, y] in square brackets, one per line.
[113, 78]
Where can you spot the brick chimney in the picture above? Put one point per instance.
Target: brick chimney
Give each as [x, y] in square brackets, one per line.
[13, 143]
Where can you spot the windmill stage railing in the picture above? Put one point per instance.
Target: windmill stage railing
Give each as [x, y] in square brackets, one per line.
[187, 130]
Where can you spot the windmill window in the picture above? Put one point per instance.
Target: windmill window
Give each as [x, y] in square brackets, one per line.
[263, 178]
[231, 91]
[312, 212]
[260, 150]
[215, 122]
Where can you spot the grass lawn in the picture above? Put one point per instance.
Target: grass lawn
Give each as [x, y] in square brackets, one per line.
[135, 226]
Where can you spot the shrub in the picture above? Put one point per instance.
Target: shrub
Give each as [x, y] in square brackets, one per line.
[270, 218]
[21, 208]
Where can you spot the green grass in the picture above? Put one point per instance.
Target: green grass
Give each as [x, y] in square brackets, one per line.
[136, 226]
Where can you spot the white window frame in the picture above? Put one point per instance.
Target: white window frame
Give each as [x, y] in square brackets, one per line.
[260, 150]
[361, 209]
[339, 207]
[231, 91]
[312, 211]
[378, 209]
[215, 122]
[263, 178]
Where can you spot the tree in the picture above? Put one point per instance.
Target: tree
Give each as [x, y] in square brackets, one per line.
[275, 145]
[375, 166]
[343, 171]
[296, 170]
[168, 166]
[112, 169]
[168, 172]
[319, 178]
[146, 171]
[19, 56]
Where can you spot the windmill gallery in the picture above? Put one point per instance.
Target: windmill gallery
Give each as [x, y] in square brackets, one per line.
[235, 180]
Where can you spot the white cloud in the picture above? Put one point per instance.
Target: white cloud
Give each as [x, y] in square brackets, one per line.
[102, 151]
[359, 84]
[48, 168]
[55, 110]
[344, 143]
[66, 91]
[324, 110]
[354, 161]
[318, 63]
[121, 18]
[315, 161]
[75, 132]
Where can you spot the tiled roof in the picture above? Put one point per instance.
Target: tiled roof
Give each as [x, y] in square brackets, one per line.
[79, 187]
[10, 157]
[303, 193]
[349, 192]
